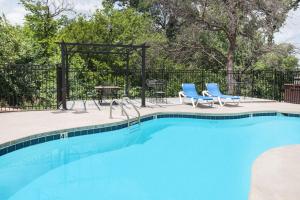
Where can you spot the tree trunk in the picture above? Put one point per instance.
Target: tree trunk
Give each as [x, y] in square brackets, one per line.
[271, 28]
[229, 67]
[231, 36]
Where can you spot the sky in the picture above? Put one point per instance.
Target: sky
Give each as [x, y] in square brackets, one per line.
[290, 32]
[14, 12]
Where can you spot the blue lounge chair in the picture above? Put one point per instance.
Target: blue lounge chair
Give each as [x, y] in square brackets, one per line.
[189, 91]
[213, 90]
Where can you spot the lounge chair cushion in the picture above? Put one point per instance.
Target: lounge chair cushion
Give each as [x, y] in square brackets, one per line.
[214, 90]
[190, 91]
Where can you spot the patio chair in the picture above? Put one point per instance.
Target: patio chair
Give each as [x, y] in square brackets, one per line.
[213, 90]
[157, 90]
[84, 98]
[189, 91]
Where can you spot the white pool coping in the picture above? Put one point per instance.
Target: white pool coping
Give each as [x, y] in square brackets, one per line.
[16, 125]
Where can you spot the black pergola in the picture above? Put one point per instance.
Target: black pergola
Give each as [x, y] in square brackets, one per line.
[69, 49]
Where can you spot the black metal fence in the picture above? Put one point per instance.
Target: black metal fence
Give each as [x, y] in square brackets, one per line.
[31, 87]
[27, 87]
[264, 84]
[81, 82]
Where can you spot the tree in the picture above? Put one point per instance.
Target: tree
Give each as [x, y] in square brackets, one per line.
[234, 19]
[139, 5]
[274, 15]
[42, 23]
[164, 19]
[8, 43]
[14, 45]
[281, 58]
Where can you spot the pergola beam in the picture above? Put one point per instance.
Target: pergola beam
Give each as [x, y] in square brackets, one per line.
[97, 52]
[106, 45]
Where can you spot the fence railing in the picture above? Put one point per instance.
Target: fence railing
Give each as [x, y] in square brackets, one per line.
[27, 87]
[32, 87]
[255, 83]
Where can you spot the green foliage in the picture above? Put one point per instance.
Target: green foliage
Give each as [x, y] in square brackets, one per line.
[111, 26]
[177, 37]
[15, 47]
[281, 58]
[140, 21]
[139, 5]
[125, 26]
[42, 23]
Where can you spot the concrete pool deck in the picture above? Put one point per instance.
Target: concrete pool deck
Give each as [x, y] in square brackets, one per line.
[275, 175]
[16, 125]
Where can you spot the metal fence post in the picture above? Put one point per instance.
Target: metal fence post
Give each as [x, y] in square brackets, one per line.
[58, 86]
[127, 76]
[143, 74]
[63, 76]
[252, 84]
[202, 78]
[274, 85]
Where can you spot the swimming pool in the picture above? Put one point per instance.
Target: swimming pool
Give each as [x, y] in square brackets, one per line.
[161, 159]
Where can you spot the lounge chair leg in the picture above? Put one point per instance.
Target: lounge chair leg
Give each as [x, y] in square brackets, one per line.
[180, 97]
[220, 102]
[84, 104]
[73, 104]
[193, 102]
[96, 104]
[197, 103]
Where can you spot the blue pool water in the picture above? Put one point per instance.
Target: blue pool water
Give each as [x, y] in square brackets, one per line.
[162, 159]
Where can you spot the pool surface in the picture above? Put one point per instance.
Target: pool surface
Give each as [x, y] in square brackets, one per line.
[161, 159]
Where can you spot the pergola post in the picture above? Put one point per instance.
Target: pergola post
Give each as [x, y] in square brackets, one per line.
[63, 76]
[58, 86]
[67, 74]
[143, 74]
[127, 75]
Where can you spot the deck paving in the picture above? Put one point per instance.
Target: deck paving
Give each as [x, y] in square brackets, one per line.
[16, 125]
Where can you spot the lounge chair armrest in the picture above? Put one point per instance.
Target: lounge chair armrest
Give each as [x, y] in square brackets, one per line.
[181, 94]
[205, 93]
